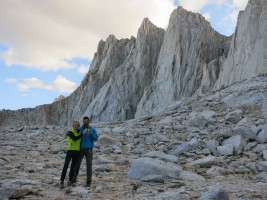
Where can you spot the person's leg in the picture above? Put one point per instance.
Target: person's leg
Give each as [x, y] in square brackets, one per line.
[89, 158]
[78, 165]
[66, 165]
[74, 160]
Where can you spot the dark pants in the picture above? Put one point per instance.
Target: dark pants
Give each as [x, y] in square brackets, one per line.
[88, 154]
[73, 157]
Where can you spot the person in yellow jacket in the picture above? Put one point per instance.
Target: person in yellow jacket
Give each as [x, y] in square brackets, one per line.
[73, 150]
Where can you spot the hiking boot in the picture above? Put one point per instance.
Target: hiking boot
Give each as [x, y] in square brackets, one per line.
[61, 185]
[88, 184]
[70, 183]
[74, 181]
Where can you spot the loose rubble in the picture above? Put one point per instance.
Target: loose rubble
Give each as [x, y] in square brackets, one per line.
[204, 147]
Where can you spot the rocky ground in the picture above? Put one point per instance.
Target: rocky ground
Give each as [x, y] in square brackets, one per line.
[203, 147]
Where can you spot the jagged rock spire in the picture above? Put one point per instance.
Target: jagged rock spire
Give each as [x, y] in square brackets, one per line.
[247, 56]
[138, 76]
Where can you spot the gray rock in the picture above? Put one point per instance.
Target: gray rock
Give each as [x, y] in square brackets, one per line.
[226, 133]
[215, 194]
[115, 147]
[250, 145]
[262, 137]
[161, 155]
[15, 192]
[103, 160]
[234, 116]
[198, 121]
[185, 147]
[252, 166]
[262, 175]
[245, 122]
[206, 161]
[225, 150]
[190, 176]
[20, 182]
[105, 140]
[166, 120]
[105, 167]
[212, 146]
[237, 142]
[169, 195]
[147, 166]
[208, 114]
[79, 190]
[154, 178]
[245, 133]
[265, 155]
[262, 166]
[264, 108]
[156, 138]
[260, 148]
[215, 170]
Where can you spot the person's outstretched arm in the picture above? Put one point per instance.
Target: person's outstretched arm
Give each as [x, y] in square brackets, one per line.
[73, 137]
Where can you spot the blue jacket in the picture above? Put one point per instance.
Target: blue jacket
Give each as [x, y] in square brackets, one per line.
[88, 139]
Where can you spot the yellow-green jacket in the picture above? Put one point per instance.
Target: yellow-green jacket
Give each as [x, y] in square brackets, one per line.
[74, 144]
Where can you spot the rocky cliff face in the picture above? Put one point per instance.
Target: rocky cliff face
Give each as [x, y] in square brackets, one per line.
[247, 56]
[132, 77]
[189, 46]
[118, 75]
[118, 97]
[113, 87]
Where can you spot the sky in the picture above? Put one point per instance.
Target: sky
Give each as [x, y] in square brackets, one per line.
[46, 46]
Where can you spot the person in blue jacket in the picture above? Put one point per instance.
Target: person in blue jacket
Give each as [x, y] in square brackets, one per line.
[87, 144]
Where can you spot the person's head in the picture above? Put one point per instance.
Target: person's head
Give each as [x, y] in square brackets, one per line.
[76, 125]
[86, 121]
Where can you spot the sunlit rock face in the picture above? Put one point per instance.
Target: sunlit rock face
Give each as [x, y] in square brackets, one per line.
[120, 71]
[247, 55]
[189, 47]
[130, 78]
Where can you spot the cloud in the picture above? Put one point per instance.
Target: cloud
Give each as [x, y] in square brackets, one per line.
[27, 84]
[197, 5]
[83, 69]
[45, 34]
[241, 4]
[207, 16]
[194, 5]
[10, 80]
[234, 9]
[232, 16]
[60, 84]
[231, 7]
[63, 85]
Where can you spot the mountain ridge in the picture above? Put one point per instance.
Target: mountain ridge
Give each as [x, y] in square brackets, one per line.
[129, 78]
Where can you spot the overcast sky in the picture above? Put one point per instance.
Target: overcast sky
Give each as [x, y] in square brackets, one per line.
[46, 46]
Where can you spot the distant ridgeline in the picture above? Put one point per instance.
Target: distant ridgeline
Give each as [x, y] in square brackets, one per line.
[129, 78]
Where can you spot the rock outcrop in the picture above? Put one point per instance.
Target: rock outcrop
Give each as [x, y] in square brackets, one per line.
[189, 46]
[247, 55]
[117, 99]
[61, 97]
